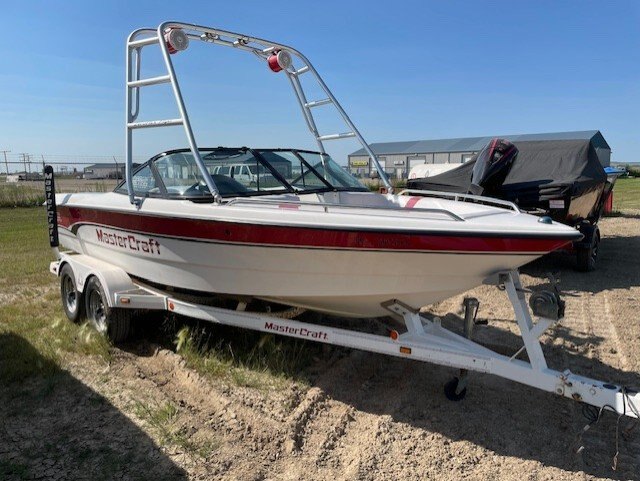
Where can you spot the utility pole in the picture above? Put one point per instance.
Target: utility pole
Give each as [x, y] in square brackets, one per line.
[23, 158]
[6, 164]
[117, 169]
[42, 163]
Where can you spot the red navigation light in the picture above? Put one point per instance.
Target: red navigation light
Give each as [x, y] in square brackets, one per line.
[279, 60]
[176, 40]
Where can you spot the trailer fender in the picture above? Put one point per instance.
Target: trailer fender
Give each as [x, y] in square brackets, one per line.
[113, 279]
[589, 231]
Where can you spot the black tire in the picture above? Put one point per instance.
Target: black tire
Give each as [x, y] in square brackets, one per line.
[72, 300]
[111, 322]
[450, 390]
[587, 257]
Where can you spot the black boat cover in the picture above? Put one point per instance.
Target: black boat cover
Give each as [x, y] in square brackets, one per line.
[542, 171]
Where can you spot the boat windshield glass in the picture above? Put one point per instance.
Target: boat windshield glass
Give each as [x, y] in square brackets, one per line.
[245, 172]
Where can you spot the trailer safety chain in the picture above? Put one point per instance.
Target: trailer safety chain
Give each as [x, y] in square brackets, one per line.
[594, 414]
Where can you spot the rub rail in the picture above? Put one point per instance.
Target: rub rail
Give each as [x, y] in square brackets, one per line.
[326, 206]
[461, 197]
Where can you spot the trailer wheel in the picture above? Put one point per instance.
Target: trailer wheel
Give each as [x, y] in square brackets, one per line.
[111, 322]
[588, 256]
[72, 301]
[450, 389]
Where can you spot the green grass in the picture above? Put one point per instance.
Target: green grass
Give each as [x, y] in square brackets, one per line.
[634, 170]
[245, 358]
[31, 309]
[30, 306]
[31, 194]
[164, 421]
[18, 195]
[626, 194]
[24, 248]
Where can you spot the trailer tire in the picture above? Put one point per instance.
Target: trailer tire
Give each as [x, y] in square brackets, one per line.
[72, 300]
[450, 389]
[587, 256]
[112, 323]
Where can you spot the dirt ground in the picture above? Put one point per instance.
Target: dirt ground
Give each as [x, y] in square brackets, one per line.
[361, 416]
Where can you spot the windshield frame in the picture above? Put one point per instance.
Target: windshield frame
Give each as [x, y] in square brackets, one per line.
[121, 188]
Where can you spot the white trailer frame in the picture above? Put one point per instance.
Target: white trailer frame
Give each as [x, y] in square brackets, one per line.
[424, 340]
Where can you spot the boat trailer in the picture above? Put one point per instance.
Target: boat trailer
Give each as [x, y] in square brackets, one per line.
[111, 296]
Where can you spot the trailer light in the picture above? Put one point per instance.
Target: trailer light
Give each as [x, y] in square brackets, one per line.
[279, 60]
[176, 40]
[393, 334]
[405, 350]
[171, 306]
[125, 300]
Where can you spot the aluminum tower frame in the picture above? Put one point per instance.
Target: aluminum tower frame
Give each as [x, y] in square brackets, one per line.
[263, 49]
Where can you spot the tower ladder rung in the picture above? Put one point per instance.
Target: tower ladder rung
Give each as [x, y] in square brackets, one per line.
[318, 103]
[336, 136]
[154, 123]
[149, 81]
[301, 70]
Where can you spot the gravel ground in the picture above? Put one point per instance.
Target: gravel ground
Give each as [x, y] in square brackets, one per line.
[362, 416]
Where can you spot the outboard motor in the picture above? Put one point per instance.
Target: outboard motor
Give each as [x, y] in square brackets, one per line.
[492, 166]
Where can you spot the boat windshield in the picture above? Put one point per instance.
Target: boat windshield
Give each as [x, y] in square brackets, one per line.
[241, 172]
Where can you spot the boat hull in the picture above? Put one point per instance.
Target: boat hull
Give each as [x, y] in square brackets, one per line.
[340, 260]
[346, 282]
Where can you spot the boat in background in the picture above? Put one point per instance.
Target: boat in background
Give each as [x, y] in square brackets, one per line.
[560, 179]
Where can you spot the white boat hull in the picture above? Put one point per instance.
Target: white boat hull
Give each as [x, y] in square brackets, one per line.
[344, 282]
[345, 261]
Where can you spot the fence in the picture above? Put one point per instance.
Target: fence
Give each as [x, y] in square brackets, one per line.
[72, 165]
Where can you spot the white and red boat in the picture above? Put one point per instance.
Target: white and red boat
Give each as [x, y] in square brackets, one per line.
[289, 226]
[335, 248]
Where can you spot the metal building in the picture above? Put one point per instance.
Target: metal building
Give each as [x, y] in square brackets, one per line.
[104, 171]
[397, 158]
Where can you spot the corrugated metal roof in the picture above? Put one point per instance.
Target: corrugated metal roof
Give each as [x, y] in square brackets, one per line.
[473, 144]
[106, 166]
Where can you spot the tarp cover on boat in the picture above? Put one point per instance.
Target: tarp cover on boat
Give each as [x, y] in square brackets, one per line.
[543, 170]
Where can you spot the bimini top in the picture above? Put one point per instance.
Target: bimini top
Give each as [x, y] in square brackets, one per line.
[239, 172]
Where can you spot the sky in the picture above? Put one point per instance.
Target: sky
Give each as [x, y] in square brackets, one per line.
[404, 70]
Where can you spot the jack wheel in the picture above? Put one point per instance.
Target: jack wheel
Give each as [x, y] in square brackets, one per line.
[112, 323]
[450, 390]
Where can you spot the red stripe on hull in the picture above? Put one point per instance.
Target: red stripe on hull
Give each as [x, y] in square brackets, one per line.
[286, 236]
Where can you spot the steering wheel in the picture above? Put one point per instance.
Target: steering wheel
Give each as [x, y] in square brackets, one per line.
[199, 188]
